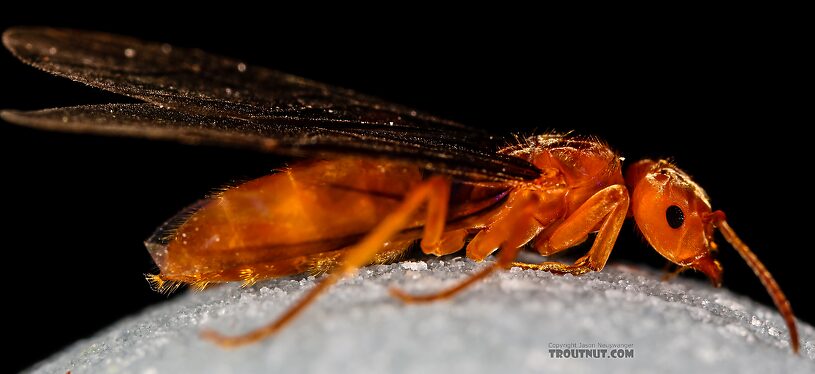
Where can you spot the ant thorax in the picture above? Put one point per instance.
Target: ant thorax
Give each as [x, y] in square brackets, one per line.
[582, 165]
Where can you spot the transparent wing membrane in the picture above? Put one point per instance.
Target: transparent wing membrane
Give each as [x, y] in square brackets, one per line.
[197, 97]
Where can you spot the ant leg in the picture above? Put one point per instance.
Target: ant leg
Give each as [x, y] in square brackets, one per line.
[508, 233]
[607, 207]
[450, 242]
[505, 258]
[434, 239]
[672, 271]
[355, 257]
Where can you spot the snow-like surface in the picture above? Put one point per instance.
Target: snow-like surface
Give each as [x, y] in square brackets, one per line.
[507, 323]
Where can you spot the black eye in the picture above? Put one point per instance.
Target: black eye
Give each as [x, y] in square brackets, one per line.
[675, 216]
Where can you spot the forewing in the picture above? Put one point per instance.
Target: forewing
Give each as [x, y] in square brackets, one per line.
[278, 135]
[201, 97]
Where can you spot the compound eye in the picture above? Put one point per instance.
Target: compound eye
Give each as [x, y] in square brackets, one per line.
[675, 216]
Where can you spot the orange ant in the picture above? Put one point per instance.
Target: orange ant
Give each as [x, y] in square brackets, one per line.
[581, 190]
[377, 177]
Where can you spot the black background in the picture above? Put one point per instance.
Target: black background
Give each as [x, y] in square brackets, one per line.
[726, 102]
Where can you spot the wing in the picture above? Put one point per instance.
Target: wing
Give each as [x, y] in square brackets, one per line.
[196, 97]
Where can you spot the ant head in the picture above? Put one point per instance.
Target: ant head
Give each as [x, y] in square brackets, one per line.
[674, 215]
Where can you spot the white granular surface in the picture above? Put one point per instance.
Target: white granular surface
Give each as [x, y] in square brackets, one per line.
[507, 323]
